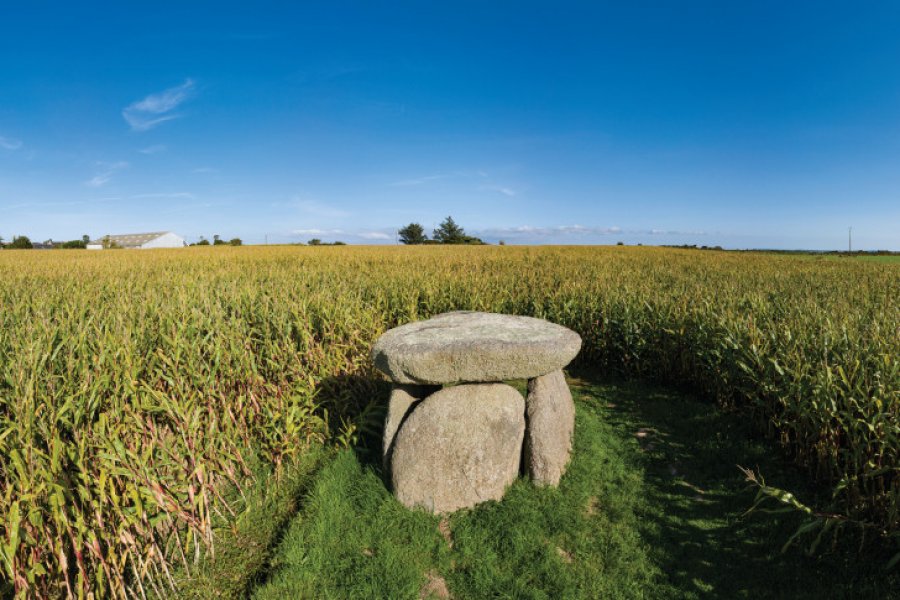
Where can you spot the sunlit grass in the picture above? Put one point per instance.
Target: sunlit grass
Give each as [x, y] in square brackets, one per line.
[651, 507]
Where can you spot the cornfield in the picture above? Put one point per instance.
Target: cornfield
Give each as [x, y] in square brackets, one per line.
[136, 386]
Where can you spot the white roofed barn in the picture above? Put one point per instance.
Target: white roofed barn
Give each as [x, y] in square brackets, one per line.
[143, 241]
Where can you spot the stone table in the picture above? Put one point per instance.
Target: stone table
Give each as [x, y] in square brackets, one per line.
[452, 447]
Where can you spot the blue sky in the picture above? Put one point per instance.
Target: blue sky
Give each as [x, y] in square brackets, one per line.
[764, 124]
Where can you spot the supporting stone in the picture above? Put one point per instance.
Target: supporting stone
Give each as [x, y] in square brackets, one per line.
[403, 397]
[551, 421]
[459, 446]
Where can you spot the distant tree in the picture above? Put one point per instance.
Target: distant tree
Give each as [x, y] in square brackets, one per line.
[620, 243]
[218, 241]
[73, 244]
[109, 244]
[413, 234]
[339, 243]
[502, 243]
[86, 239]
[235, 242]
[203, 241]
[448, 232]
[20, 242]
[315, 242]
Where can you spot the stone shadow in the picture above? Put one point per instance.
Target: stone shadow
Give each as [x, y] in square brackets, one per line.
[358, 402]
[694, 516]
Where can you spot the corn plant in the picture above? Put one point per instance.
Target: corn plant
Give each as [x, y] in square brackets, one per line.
[136, 386]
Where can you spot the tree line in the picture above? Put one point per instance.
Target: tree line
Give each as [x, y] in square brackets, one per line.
[448, 232]
[23, 242]
[218, 241]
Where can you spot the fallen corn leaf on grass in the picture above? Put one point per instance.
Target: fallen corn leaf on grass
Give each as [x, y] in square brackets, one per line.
[135, 385]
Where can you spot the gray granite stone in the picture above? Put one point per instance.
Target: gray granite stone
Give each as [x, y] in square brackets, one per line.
[403, 397]
[458, 447]
[550, 414]
[474, 347]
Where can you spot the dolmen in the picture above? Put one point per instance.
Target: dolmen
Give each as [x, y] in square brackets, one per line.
[455, 435]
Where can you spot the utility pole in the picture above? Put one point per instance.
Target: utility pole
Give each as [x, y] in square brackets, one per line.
[850, 240]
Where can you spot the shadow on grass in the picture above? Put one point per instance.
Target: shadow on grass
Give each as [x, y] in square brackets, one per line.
[651, 506]
[693, 515]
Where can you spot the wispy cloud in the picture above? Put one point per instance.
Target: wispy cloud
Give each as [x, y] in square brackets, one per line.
[107, 170]
[57, 204]
[157, 108]
[165, 195]
[317, 231]
[527, 231]
[419, 180]
[8, 143]
[506, 191]
[479, 174]
[154, 149]
[374, 235]
[188, 207]
[348, 235]
[470, 177]
[669, 232]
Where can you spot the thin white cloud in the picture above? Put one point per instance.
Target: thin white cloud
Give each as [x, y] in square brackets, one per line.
[669, 232]
[98, 180]
[486, 184]
[169, 195]
[188, 207]
[506, 191]
[527, 231]
[317, 232]
[437, 177]
[154, 149]
[419, 180]
[108, 169]
[157, 108]
[44, 205]
[8, 143]
[347, 235]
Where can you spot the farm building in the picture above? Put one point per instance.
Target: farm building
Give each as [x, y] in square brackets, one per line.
[143, 241]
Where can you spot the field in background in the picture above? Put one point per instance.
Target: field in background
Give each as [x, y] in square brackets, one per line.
[141, 392]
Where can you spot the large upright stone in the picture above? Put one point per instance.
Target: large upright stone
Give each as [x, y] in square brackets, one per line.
[459, 447]
[474, 347]
[403, 397]
[551, 420]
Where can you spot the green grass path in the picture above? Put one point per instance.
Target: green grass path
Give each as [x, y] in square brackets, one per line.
[651, 507]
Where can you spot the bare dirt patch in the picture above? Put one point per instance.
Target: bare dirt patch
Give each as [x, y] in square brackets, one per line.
[565, 555]
[444, 528]
[435, 587]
